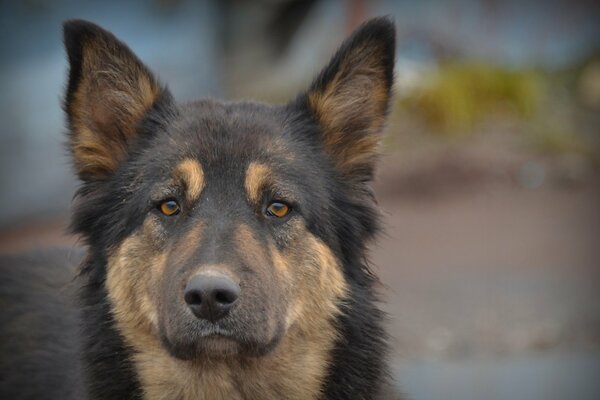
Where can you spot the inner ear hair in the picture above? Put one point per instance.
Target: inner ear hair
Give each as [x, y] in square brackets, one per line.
[351, 96]
[109, 92]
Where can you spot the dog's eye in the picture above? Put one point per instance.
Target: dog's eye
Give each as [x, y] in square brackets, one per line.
[169, 207]
[278, 209]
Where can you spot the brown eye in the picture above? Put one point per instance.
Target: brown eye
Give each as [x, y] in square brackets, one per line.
[278, 209]
[169, 207]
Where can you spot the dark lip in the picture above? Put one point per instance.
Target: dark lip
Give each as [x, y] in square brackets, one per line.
[215, 331]
[197, 340]
[201, 347]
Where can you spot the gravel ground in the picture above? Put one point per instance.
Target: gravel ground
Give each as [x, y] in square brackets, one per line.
[491, 282]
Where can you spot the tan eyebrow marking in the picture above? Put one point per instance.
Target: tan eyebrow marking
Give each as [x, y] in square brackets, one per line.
[257, 176]
[191, 173]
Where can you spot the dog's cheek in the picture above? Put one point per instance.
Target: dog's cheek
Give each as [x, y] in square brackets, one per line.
[135, 269]
[282, 262]
[319, 284]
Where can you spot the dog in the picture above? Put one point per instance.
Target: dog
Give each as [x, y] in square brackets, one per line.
[225, 242]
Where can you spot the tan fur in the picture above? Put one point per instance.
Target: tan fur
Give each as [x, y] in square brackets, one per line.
[250, 246]
[295, 369]
[161, 376]
[114, 93]
[185, 248]
[257, 176]
[190, 172]
[133, 270]
[278, 260]
[356, 99]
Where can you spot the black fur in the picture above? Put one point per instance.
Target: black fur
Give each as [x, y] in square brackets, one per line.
[39, 339]
[108, 372]
[106, 211]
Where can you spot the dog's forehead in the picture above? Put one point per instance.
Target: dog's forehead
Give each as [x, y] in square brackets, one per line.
[230, 136]
[220, 123]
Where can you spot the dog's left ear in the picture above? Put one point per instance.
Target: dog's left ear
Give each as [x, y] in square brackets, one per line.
[350, 98]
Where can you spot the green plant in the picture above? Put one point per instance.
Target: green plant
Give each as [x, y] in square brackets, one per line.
[460, 95]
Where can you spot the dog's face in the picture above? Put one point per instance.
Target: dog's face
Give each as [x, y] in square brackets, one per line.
[225, 226]
[221, 198]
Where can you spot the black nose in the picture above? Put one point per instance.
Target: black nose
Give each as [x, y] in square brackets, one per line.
[211, 297]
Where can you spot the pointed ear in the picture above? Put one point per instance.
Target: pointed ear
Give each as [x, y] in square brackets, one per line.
[108, 94]
[350, 97]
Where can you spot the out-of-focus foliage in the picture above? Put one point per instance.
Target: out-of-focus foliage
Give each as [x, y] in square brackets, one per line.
[555, 112]
[588, 83]
[460, 95]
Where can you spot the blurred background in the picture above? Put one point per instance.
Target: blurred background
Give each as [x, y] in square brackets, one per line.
[490, 260]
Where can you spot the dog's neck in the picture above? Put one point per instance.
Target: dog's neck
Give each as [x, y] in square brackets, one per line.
[296, 369]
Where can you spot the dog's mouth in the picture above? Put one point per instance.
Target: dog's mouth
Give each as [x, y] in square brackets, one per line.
[215, 331]
[213, 343]
[217, 342]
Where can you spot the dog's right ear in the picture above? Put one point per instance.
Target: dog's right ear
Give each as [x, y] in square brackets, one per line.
[351, 96]
[108, 94]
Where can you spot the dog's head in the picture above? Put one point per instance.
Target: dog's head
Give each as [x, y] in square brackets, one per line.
[225, 226]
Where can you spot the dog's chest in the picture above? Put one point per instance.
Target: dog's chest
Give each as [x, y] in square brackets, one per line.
[162, 378]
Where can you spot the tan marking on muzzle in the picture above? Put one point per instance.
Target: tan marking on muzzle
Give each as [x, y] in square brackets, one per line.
[134, 270]
[278, 260]
[185, 247]
[249, 246]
